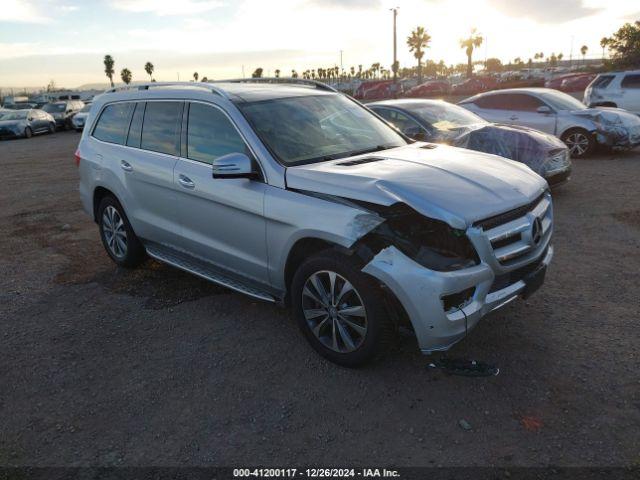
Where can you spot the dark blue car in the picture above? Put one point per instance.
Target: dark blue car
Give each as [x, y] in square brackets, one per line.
[25, 123]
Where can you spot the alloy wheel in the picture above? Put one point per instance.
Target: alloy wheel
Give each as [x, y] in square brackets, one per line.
[578, 143]
[334, 311]
[114, 232]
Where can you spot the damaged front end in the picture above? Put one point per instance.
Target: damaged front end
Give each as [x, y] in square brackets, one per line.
[437, 274]
[615, 127]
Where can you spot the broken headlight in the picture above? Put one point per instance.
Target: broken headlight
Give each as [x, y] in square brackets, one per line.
[431, 243]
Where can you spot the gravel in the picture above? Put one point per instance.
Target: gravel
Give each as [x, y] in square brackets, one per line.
[104, 366]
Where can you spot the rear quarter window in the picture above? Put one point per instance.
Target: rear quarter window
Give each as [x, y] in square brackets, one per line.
[602, 81]
[631, 81]
[113, 124]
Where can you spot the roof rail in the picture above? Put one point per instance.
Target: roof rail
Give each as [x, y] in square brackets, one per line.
[287, 80]
[148, 85]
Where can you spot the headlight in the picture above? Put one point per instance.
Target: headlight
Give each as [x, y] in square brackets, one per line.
[557, 160]
[431, 243]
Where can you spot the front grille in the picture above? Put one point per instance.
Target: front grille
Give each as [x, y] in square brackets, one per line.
[519, 232]
[506, 217]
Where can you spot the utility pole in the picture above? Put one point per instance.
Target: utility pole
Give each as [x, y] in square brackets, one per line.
[571, 54]
[394, 67]
[341, 60]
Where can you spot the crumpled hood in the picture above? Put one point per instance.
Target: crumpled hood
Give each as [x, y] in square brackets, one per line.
[451, 184]
[615, 126]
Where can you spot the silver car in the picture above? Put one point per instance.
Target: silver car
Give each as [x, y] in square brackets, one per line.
[296, 194]
[557, 113]
[80, 118]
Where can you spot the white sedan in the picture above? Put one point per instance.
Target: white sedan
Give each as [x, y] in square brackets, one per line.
[557, 113]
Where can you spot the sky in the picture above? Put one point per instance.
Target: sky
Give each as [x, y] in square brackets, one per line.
[66, 40]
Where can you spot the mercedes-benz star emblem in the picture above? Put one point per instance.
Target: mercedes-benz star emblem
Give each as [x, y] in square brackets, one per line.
[536, 231]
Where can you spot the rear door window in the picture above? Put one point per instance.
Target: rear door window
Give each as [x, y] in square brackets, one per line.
[631, 81]
[494, 102]
[113, 123]
[210, 134]
[161, 127]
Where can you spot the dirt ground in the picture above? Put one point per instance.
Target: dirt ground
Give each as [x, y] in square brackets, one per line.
[103, 366]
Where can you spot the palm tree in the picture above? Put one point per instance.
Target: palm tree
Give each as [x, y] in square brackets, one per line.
[583, 50]
[375, 67]
[195, 76]
[418, 41]
[604, 41]
[108, 68]
[277, 72]
[148, 67]
[474, 41]
[125, 75]
[294, 74]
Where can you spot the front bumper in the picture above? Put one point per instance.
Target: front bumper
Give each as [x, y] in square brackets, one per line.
[420, 292]
[78, 123]
[505, 272]
[558, 177]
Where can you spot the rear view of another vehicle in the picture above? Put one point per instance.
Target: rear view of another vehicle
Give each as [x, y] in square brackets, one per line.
[620, 90]
[63, 112]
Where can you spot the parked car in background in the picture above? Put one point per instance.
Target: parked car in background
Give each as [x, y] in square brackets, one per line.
[374, 90]
[429, 88]
[299, 195]
[80, 118]
[576, 84]
[442, 122]
[556, 81]
[559, 114]
[63, 112]
[615, 89]
[25, 123]
[474, 85]
[20, 106]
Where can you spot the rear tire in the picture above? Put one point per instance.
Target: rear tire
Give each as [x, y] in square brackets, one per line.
[579, 142]
[118, 238]
[28, 133]
[348, 324]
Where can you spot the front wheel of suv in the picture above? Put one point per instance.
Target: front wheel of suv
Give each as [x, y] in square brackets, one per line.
[340, 310]
[118, 238]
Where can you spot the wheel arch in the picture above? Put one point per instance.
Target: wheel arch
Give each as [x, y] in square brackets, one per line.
[302, 249]
[98, 194]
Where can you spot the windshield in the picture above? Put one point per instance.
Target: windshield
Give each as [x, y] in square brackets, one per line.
[54, 107]
[310, 129]
[17, 115]
[562, 101]
[444, 116]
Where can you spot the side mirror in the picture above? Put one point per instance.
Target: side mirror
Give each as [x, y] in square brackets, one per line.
[233, 165]
[544, 109]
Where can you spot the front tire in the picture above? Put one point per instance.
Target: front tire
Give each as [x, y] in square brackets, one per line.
[118, 238]
[579, 142]
[340, 310]
[52, 127]
[28, 133]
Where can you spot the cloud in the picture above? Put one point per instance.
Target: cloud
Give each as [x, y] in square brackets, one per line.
[167, 7]
[21, 12]
[545, 11]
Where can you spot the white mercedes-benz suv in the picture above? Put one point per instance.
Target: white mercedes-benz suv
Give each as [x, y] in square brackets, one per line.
[294, 193]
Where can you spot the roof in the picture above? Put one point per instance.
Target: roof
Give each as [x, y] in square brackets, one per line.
[241, 90]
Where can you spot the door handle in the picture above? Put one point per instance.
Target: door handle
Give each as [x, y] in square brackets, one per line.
[126, 166]
[513, 117]
[185, 181]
